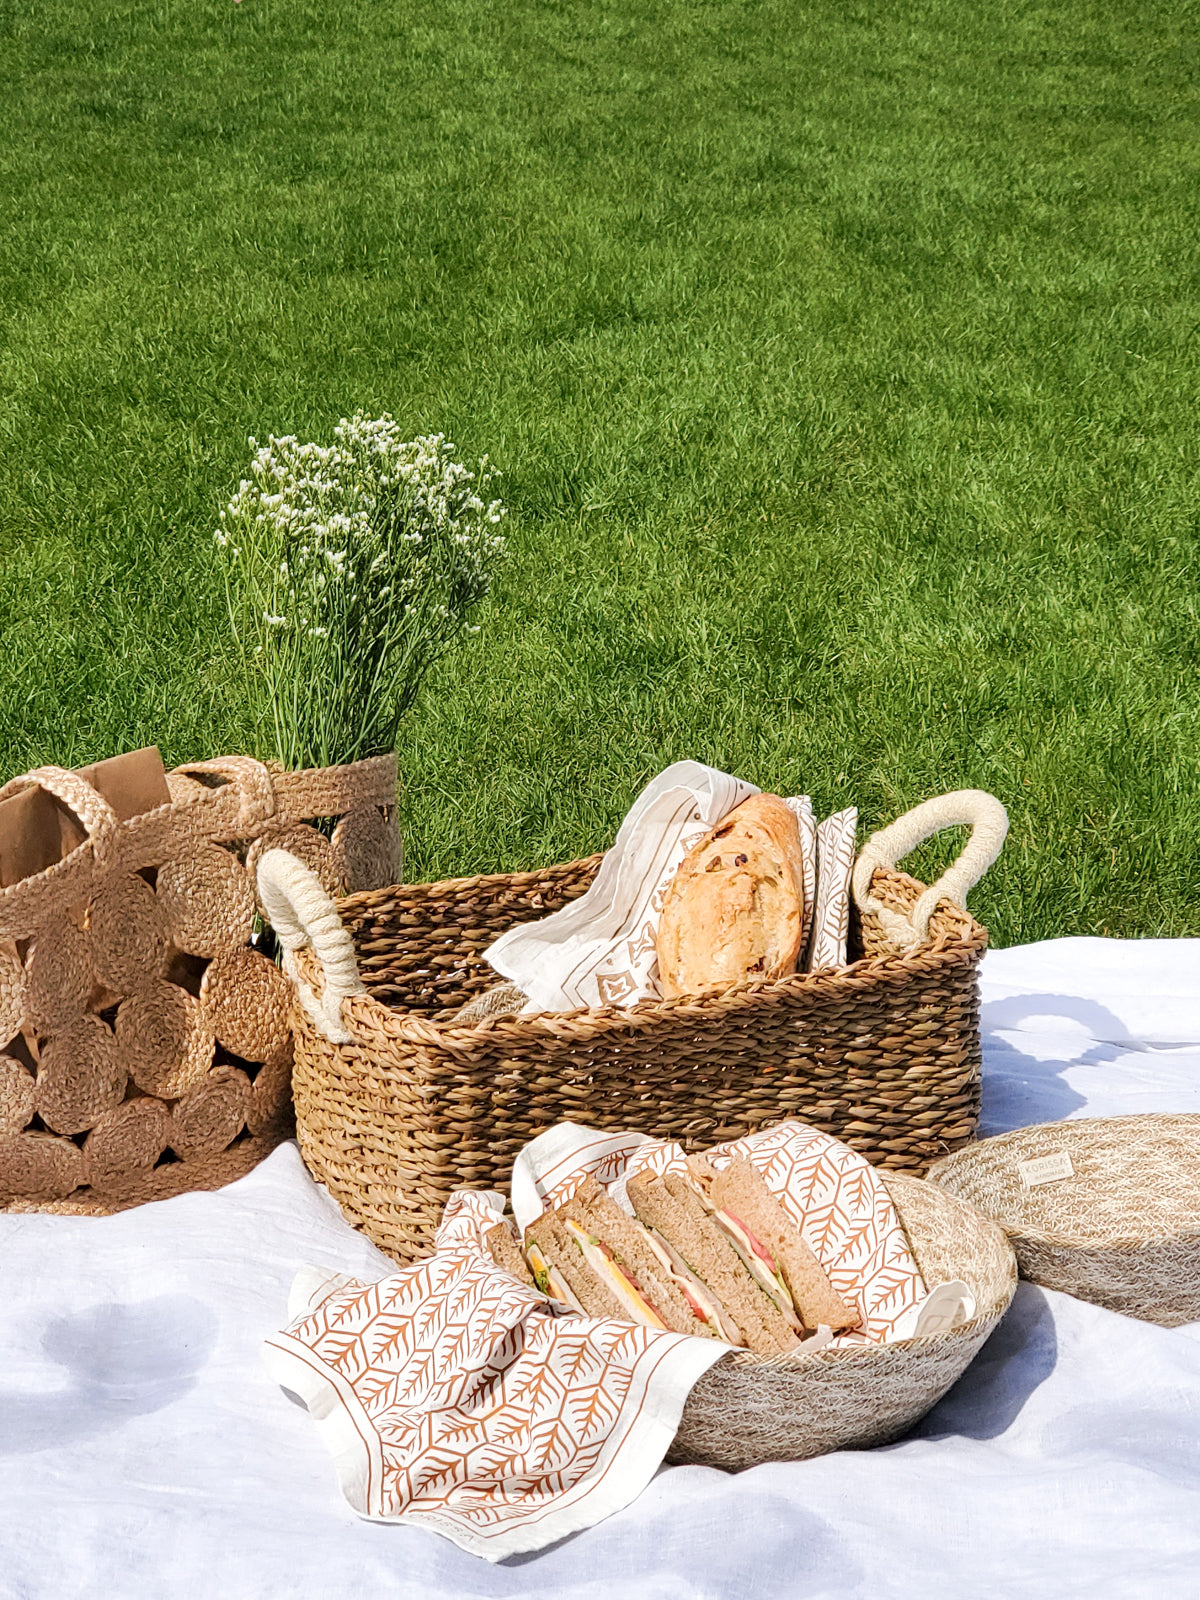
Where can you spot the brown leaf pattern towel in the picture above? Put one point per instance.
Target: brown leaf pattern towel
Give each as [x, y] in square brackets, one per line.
[835, 863]
[450, 1395]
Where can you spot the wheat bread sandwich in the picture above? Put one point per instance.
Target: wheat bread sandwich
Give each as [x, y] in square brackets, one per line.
[734, 911]
[506, 1253]
[676, 1212]
[770, 1244]
[611, 1265]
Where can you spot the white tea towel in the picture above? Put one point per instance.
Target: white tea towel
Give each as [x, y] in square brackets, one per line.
[600, 950]
[835, 865]
[801, 808]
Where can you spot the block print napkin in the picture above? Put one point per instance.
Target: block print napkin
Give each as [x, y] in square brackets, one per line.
[832, 1194]
[835, 865]
[801, 808]
[600, 950]
[452, 1396]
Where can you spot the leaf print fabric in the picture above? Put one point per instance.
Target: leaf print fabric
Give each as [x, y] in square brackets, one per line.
[453, 1396]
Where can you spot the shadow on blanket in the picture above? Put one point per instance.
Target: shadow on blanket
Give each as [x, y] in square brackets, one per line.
[1016, 1360]
[1019, 1089]
[120, 1361]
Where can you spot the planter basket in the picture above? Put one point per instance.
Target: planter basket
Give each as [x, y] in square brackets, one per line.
[145, 1044]
[749, 1409]
[1121, 1227]
[397, 1106]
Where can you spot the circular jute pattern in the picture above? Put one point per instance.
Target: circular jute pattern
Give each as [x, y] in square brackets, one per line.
[211, 1115]
[307, 845]
[58, 975]
[165, 1038]
[248, 1001]
[367, 850]
[271, 1093]
[17, 1087]
[12, 996]
[37, 1166]
[129, 932]
[81, 1076]
[208, 901]
[1115, 1217]
[126, 1143]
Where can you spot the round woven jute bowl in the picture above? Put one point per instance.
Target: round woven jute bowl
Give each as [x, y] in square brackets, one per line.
[1121, 1227]
[750, 1409]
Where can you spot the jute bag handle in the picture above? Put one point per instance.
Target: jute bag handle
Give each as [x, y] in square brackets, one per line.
[988, 821]
[249, 792]
[42, 893]
[301, 914]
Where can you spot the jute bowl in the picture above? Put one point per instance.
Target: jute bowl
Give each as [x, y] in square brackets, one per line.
[750, 1409]
[1122, 1229]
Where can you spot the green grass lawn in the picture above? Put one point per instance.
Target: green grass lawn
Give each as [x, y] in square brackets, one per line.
[841, 360]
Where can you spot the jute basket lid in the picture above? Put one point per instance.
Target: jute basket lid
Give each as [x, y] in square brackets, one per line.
[1109, 1212]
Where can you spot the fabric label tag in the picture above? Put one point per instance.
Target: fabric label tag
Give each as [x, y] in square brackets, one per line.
[1046, 1169]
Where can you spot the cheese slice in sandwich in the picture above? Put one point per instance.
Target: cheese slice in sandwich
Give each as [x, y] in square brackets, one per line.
[562, 1272]
[675, 1211]
[771, 1245]
[569, 1250]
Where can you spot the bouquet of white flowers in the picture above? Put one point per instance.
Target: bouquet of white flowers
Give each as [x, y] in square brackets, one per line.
[350, 569]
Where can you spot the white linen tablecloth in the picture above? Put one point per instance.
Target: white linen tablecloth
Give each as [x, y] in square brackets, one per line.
[144, 1451]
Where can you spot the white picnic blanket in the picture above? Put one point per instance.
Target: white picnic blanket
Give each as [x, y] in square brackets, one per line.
[144, 1450]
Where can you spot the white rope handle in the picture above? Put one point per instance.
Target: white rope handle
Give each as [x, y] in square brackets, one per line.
[988, 822]
[301, 913]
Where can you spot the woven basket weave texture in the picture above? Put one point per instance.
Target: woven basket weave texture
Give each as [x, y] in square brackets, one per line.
[883, 1054]
[145, 1046]
[749, 1409]
[1122, 1232]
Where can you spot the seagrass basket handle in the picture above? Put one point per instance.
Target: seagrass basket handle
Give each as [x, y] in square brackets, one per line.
[24, 905]
[301, 914]
[975, 808]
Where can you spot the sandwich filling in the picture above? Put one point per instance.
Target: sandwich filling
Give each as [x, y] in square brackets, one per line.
[704, 1304]
[621, 1282]
[761, 1263]
[549, 1279]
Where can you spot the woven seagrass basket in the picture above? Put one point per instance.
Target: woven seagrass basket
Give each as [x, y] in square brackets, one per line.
[749, 1409]
[1120, 1222]
[397, 1106]
[145, 1043]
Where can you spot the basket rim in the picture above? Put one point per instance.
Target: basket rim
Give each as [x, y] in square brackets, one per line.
[960, 940]
[983, 1154]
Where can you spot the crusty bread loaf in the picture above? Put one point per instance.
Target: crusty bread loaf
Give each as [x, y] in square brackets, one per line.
[735, 908]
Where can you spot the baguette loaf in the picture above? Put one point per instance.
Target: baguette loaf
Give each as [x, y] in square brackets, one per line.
[735, 908]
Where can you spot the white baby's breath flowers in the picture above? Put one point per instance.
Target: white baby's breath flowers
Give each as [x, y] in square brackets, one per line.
[363, 561]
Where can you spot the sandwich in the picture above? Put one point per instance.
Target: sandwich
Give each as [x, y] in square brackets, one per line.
[678, 1215]
[506, 1252]
[610, 1264]
[711, 1254]
[769, 1243]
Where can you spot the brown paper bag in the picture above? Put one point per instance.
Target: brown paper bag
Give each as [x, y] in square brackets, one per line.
[36, 830]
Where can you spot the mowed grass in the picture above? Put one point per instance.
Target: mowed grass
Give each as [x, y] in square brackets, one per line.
[841, 361]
